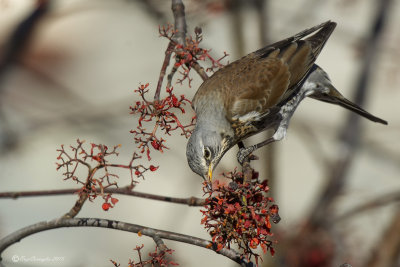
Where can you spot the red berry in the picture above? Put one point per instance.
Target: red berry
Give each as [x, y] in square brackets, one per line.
[155, 144]
[153, 168]
[106, 206]
[114, 200]
[175, 101]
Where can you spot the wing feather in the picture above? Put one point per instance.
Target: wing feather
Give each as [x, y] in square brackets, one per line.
[252, 85]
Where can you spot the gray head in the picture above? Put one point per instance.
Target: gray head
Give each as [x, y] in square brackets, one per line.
[204, 151]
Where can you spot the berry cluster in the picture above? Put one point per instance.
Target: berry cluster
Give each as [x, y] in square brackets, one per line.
[240, 213]
[160, 115]
[188, 54]
[156, 258]
[99, 175]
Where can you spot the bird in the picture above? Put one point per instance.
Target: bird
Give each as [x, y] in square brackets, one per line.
[259, 92]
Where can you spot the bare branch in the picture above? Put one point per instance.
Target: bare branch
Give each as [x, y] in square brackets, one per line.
[159, 242]
[377, 202]
[179, 37]
[387, 249]
[117, 225]
[178, 9]
[164, 67]
[77, 207]
[200, 70]
[82, 198]
[190, 201]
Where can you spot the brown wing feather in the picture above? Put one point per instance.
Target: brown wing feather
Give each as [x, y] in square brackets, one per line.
[257, 88]
[261, 79]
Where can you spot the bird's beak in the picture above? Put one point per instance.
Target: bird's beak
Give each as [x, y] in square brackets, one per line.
[210, 169]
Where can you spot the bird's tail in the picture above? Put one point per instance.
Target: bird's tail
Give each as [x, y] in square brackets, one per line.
[319, 39]
[334, 97]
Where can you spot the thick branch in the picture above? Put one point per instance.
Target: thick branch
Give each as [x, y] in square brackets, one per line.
[77, 206]
[178, 9]
[200, 70]
[117, 225]
[191, 201]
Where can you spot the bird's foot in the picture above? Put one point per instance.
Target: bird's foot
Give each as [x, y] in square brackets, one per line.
[245, 152]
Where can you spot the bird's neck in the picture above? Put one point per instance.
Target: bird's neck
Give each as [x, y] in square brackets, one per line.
[215, 120]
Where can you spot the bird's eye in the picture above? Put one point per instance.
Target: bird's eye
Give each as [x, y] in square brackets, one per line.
[207, 153]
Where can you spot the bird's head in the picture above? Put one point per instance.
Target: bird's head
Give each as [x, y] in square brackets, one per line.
[204, 151]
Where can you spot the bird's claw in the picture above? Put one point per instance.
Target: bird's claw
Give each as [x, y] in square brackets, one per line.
[243, 153]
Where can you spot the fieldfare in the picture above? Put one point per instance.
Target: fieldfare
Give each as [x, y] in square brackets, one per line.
[258, 92]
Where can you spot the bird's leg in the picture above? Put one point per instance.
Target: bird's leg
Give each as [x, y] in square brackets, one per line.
[286, 112]
[245, 162]
[246, 151]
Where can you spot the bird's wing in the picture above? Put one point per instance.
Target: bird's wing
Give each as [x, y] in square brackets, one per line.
[255, 87]
[253, 84]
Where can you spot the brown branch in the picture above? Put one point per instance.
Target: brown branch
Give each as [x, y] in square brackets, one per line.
[83, 196]
[77, 207]
[164, 67]
[247, 171]
[117, 225]
[178, 9]
[200, 70]
[377, 202]
[191, 201]
[178, 43]
[171, 75]
[387, 249]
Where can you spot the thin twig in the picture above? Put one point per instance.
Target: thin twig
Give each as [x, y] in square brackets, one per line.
[190, 201]
[117, 225]
[164, 67]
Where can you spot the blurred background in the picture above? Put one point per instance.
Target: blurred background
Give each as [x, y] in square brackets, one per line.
[68, 70]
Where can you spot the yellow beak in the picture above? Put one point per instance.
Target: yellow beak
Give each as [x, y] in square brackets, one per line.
[210, 173]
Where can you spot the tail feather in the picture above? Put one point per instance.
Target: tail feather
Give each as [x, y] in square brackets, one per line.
[347, 104]
[360, 111]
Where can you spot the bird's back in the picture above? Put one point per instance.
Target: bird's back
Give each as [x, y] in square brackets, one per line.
[254, 84]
